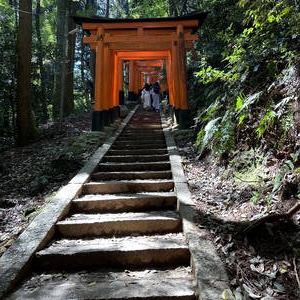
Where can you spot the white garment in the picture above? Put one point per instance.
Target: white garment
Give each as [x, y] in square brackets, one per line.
[155, 103]
[146, 98]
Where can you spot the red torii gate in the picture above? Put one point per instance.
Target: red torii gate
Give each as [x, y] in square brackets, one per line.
[149, 39]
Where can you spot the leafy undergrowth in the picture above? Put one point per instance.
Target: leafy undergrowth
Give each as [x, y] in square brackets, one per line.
[29, 175]
[263, 261]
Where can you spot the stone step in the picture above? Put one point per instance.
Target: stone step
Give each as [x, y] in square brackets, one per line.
[141, 140]
[137, 145]
[159, 134]
[125, 202]
[142, 132]
[128, 186]
[135, 158]
[149, 122]
[126, 252]
[142, 135]
[110, 284]
[132, 175]
[138, 166]
[137, 152]
[119, 224]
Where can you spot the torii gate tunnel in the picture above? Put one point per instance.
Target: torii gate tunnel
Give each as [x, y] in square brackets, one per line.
[148, 44]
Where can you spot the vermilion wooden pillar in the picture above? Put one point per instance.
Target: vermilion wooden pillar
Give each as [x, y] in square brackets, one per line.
[184, 113]
[131, 96]
[98, 121]
[121, 81]
[170, 80]
[115, 86]
[107, 97]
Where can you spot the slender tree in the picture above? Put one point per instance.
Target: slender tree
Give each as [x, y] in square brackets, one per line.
[107, 8]
[69, 80]
[26, 129]
[40, 60]
[59, 95]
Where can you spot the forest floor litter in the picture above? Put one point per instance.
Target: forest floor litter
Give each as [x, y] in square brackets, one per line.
[261, 264]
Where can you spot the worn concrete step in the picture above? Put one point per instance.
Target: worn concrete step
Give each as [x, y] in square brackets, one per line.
[137, 151]
[149, 147]
[141, 251]
[151, 121]
[143, 139]
[142, 136]
[110, 284]
[145, 127]
[128, 186]
[125, 202]
[137, 166]
[119, 224]
[132, 175]
[137, 145]
[136, 158]
[140, 141]
[142, 131]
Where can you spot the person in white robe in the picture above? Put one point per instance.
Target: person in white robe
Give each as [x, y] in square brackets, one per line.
[146, 97]
[155, 92]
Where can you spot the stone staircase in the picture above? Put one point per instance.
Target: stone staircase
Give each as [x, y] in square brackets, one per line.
[123, 236]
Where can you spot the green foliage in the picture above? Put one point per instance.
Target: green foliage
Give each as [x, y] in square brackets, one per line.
[255, 197]
[217, 135]
[7, 71]
[242, 57]
[287, 168]
[208, 74]
[206, 136]
[265, 123]
[147, 9]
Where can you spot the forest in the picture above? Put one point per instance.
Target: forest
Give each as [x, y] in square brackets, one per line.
[243, 87]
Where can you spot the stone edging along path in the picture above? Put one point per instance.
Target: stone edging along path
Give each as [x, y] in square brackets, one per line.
[208, 268]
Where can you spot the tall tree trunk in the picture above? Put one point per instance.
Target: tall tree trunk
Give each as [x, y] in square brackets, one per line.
[62, 9]
[26, 129]
[69, 82]
[40, 58]
[85, 83]
[126, 8]
[183, 8]
[173, 9]
[107, 9]
[13, 98]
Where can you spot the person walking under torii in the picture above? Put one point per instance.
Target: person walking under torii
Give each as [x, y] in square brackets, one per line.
[146, 97]
[155, 92]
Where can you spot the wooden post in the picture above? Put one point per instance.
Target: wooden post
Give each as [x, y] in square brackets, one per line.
[135, 80]
[131, 81]
[121, 81]
[183, 114]
[115, 76]
[111, 87]
[183, 102]
[170, 81]
[106, 82]
[175, 74]
[97, 123]
[106, 70]
[117, 66]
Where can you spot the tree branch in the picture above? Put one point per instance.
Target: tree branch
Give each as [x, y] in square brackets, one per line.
[273, 217]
